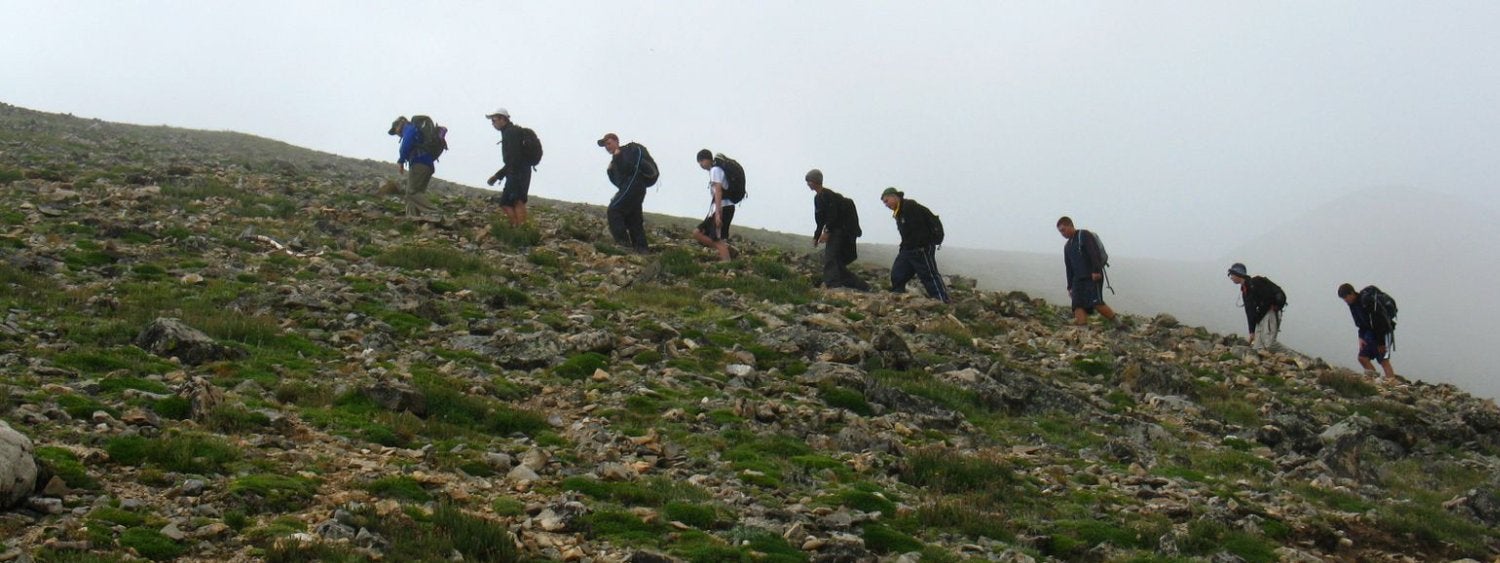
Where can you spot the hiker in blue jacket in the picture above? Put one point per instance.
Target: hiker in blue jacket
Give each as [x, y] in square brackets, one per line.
[1373, 345]
[1085, 273]
[917, 256]
[422, 168]
[630, 168]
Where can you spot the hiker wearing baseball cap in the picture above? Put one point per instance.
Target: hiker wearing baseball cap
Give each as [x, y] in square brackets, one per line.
[838, 226]
[632, 170]
[1263, 301]
[520, 152]
[421, 155]
[917, 256]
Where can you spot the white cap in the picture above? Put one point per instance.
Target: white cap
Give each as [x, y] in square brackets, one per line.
[500, 111]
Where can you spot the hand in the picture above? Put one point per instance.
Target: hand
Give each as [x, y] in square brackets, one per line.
[823, 238]
[1361, 343]
[492, 180]
[1096, 276]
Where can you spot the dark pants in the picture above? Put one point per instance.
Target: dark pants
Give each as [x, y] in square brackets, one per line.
[517, 186]
[625, 222]
[920, 263]
[838, 253]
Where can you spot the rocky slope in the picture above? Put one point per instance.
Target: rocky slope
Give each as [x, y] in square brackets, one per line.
[220, 348]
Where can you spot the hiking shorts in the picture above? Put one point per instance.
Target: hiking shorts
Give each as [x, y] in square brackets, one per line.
[517, 185]
[707, 226]
[1087, 294]
[1370, 347]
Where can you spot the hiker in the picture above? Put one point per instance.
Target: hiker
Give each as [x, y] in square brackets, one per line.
[420, 173]
[1083, 257]
[1263, 301]
[631, 170]
[917, 256]
[516, 168]
[713, 232]
[837, 228]
[1375, 329]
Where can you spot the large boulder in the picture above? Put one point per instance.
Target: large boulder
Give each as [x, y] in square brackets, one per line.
[167, 337]
[18, 468]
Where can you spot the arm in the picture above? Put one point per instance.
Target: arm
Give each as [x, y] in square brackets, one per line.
[409, 134]
[820, 216]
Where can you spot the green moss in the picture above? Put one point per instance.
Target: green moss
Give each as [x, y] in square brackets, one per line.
[581, 366]
[62, 463]
[693, 514]
[654, 492]
[274, 492]
[399, 487]
[233, 419]
[882, 539]
[622, 526]
[185, 453]
[151, 544]
[173, 408]
[846, 398]
[443, 258]
[953, 472]
[866, 501]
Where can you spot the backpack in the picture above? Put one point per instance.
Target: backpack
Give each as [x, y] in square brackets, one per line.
[1095, 253]
[1380, 307]
[433, 137]
[851, 223]
[937, 230]
[531, 146]
[734, 177]
[646, 167]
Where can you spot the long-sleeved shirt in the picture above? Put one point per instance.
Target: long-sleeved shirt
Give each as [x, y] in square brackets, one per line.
[914, 222]
[411, 146]
[510, 148]
[1078, 260]
[1260, 295]
[834, 212]
[628, 168]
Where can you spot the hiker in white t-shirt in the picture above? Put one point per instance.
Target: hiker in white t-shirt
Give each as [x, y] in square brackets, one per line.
[713, 232]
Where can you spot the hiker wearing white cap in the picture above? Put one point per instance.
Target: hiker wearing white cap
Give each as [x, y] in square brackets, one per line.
[1263, 301]
[520, 151]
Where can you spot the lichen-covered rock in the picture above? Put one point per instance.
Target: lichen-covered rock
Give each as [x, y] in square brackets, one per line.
[168, 338]
[18, 469]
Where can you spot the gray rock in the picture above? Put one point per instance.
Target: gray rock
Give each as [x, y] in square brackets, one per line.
[193, 487]
[332, 529]
[370, 540]
[522, 473]
[396, 396]
[171, 531]
[18, 469]
[168, 337]
[1342, 444]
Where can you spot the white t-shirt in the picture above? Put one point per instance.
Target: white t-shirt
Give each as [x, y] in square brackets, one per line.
[716, 176]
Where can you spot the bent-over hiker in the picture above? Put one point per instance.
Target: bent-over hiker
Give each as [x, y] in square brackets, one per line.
[837, 228]
[1374, 335]
[419, 174]
[1263, 301]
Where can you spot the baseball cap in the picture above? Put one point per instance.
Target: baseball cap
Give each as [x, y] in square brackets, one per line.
[892, 191]
[499, 111]
[607, 137]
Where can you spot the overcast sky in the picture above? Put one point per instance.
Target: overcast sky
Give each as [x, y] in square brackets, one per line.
[1177, 129]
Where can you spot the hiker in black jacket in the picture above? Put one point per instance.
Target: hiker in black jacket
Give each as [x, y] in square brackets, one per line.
[629, 167]
[1263, 301]
[516, 172]
[918, 254]
[837, 227]
[1085, 271]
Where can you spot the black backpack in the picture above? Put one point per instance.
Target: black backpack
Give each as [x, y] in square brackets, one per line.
[531, 146]
[937, 230]
[434, 137]
[851, 216]
[734, 177]
[1095, 253]
[646, 166]
[1380, 307]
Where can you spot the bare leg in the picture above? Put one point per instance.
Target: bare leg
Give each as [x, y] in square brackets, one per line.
[1369, 367]
[1080, 317]
[519, 217]
[1105, 311]
[1390, 372]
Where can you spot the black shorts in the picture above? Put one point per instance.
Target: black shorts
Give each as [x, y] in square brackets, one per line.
[517, 184]
[1087, 294]
[707, 226]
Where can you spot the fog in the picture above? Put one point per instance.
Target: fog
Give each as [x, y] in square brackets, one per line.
[1185, 131]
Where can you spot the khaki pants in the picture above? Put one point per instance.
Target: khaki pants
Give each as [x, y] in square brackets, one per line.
[1267, 329]
[417, 178]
